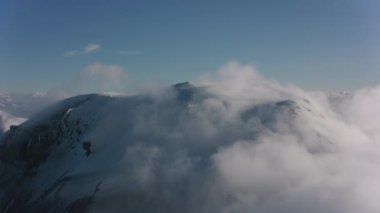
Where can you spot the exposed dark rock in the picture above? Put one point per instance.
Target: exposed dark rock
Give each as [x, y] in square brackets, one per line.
[87, 147]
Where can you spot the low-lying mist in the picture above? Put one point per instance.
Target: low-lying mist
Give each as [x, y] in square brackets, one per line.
[232, 141]
[252, 145]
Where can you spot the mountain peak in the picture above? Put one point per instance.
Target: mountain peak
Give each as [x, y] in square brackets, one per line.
[185, 91]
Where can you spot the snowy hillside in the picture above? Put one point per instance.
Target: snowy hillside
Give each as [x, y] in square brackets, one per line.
[202, 147]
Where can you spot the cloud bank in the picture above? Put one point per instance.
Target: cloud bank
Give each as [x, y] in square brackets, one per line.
[7, 120]
[251, 145]
[231, 142]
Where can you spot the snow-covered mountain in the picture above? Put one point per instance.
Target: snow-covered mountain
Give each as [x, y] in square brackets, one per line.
[194, 148]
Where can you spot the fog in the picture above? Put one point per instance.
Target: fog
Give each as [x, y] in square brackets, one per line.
[232, 141]
[245, 143]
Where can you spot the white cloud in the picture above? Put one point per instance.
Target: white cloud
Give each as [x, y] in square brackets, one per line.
[256, 145]
[99, 77]
[72, 53]
[94, 78]
[90, 48]
[243, 143]
[111, 72]
[7, 120]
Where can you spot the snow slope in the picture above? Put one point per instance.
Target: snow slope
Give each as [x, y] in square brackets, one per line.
[192, 148]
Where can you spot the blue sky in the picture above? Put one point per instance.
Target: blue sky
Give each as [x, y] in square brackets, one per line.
[314, 44]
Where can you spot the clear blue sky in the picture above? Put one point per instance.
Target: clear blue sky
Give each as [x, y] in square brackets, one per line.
[332, 44]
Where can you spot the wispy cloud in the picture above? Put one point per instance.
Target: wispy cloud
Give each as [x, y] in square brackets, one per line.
[91, 48]
[97, 69]
[96, 77]
[88, 49]
[101, 78]
[130, 52]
